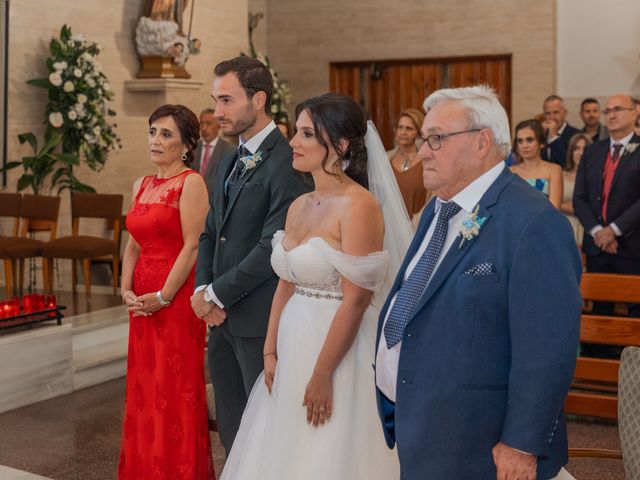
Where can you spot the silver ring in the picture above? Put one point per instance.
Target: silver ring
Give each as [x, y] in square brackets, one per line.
[321, 409]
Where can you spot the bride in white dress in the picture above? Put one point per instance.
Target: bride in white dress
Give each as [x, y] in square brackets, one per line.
[312, 413]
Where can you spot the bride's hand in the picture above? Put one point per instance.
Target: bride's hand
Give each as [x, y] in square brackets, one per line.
[318, 398]
[270, 361]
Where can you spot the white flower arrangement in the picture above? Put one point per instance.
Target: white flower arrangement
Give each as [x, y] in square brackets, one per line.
[77, 86]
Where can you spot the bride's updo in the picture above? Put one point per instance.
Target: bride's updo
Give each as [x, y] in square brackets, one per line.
[338, 117]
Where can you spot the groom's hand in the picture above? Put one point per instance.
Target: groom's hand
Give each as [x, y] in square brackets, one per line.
[215, 317]
[512, 464]
[200, 307]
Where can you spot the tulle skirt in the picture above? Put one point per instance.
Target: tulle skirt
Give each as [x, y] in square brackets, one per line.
[276, 443]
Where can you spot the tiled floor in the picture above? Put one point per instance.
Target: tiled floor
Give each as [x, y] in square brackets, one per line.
[77, 437]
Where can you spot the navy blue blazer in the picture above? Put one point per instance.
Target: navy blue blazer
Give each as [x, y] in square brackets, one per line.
[556, 151]
[489, 358]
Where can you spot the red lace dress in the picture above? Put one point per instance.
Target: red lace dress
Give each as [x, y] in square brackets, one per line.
[165, 433]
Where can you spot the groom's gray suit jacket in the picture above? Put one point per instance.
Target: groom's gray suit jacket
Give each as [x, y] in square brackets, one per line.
[235, 249]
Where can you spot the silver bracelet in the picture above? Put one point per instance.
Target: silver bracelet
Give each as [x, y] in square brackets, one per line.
[161, 300]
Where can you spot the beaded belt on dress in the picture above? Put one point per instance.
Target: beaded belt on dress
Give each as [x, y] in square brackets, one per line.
[317, 293]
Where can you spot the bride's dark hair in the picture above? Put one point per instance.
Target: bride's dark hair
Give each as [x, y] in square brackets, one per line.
[339, 117]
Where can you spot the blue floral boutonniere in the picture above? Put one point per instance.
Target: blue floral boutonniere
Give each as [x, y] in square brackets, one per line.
[471, 226]
[250, 161]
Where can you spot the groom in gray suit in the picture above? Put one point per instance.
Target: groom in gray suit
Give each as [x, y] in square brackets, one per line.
[253, 188]
[477, 341]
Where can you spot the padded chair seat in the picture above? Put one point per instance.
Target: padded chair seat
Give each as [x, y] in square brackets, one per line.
[78, 247]
[20, 247]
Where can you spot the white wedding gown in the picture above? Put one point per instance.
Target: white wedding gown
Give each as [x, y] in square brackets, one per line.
[274, 441]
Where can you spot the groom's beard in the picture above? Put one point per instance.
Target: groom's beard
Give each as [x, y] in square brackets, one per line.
[241, 125]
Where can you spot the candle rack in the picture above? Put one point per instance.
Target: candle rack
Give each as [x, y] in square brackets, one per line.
[33, 318]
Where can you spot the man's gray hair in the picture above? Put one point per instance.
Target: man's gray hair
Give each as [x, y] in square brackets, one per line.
[484, 110]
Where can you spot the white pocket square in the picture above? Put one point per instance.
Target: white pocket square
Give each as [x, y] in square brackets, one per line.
[485, 268]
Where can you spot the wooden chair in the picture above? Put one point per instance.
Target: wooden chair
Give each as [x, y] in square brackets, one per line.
[628, 418]
[9, 207]
[84, 248]
[37, 213]
[106, 259]
[594, 389]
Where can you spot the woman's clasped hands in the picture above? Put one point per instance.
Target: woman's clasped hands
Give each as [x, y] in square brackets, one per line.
[143, 305]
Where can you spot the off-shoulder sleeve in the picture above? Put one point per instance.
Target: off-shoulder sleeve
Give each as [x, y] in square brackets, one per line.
[277, 238]
[367, 272]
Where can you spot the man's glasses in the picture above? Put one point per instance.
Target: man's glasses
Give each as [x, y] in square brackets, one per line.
[435, 141]
[607, 111]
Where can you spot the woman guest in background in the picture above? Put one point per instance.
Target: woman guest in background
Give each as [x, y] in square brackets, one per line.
[406, 165]
[574, 155]
[544, 176]
[165, 423]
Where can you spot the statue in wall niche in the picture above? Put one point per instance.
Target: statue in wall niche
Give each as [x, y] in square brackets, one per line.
[161, 43]
[168, 10]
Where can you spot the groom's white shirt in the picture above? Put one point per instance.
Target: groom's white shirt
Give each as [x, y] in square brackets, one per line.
[252, 145]
[387, 359]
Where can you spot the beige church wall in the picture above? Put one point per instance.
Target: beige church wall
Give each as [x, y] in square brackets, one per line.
[220, 25]
[598, 51]
[304, 36]
[260, 33]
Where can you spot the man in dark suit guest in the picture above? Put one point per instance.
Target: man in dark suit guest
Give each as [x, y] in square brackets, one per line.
[590, 114]
[211, 148]
[558, 130]
[253, 188]
[606, 198]
[475, 353]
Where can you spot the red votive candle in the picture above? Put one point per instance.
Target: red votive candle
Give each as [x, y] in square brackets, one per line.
[27, 303]
[51, 301]
[15, 307]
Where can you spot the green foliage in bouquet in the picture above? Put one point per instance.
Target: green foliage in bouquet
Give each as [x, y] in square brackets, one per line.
[77, 117]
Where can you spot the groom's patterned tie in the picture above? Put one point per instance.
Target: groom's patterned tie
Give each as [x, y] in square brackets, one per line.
[412, 289]
[237, 171]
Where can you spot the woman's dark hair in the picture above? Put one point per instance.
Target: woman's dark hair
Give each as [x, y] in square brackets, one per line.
[569, 164]
[538, 131]
[252, 74]
[186, 121]
[338, 117]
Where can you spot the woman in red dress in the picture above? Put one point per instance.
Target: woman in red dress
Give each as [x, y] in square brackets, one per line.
[165, 433]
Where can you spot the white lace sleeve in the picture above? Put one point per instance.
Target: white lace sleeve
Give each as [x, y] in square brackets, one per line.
[367, 272]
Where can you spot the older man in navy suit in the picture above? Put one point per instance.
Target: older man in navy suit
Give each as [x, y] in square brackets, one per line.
[477, 341]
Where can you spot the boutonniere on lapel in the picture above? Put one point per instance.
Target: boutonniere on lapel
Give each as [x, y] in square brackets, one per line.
[471, 226]
[630, 148]
[250, 161]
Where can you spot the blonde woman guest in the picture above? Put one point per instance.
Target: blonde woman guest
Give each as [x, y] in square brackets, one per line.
[407, 167]
[574, 154]
[544, 176]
